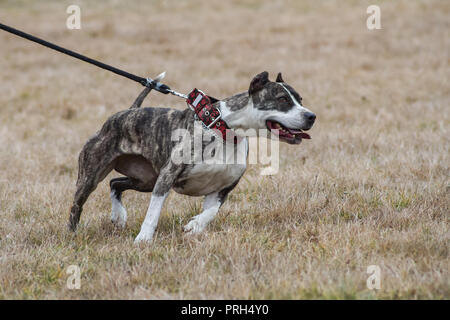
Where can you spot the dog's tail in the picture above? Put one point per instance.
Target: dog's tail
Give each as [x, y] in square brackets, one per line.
[138, 102]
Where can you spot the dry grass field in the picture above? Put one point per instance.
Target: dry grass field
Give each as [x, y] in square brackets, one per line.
[372, 187]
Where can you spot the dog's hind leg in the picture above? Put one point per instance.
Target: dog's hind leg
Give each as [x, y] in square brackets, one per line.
[118, 212]
[93, 166]
[119, 185]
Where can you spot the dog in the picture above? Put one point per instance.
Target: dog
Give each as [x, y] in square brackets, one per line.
[137, 143]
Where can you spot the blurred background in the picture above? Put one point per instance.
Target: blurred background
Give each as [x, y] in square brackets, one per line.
[371, 187]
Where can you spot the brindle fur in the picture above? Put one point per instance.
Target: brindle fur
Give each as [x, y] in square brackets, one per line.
[137, 143]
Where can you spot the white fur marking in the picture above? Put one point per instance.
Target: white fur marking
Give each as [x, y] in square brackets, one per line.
[224, 109]
[151, 219]
[206, 178]
[199, 222]
[118, 212]
[297, 103]
[293, 118]
[247, 117]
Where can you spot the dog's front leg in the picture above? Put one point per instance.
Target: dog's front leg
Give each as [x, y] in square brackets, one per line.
[211, 206]
[162, 187]
[151, 219]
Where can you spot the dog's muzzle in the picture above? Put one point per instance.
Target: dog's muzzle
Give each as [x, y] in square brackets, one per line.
[309, 119]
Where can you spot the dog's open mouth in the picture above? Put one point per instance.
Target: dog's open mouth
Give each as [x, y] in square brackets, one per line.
[293, 136]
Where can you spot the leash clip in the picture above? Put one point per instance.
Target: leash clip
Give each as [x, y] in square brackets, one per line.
[157, 85]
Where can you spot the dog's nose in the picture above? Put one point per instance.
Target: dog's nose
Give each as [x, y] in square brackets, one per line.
[311, 117]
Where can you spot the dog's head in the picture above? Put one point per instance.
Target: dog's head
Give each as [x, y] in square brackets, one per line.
[278, 107]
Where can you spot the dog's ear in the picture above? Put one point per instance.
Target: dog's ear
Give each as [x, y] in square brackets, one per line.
[279, 78]
[258, 82]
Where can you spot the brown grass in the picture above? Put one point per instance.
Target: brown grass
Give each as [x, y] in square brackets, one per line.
[371, 187]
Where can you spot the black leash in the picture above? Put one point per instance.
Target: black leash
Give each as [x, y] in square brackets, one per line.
[200, 103]
[147, 82]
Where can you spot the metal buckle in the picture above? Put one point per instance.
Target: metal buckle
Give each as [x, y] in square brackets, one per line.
[197, 118]
[217, 119]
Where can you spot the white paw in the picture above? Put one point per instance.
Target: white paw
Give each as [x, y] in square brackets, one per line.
[118, 214]
[143, 237]
[194, 226]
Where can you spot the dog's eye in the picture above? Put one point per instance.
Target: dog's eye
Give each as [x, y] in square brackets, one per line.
[283, 100]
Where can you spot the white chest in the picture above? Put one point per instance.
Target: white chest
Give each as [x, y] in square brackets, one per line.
[205, 178]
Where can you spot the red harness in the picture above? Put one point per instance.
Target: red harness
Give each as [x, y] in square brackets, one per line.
[210, 116]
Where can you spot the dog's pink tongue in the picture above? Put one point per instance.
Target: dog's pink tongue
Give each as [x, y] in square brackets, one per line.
[304, 135]
[300, 133]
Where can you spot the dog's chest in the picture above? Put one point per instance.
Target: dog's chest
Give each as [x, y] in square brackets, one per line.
[203, 178]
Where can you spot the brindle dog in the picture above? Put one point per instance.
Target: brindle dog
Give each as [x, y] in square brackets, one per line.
[138, 143]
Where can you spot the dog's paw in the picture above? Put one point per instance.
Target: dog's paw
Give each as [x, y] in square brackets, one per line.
[194, 226]
[143, 238]
[119, 222]
[118, 215]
